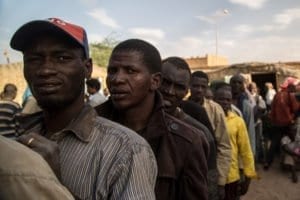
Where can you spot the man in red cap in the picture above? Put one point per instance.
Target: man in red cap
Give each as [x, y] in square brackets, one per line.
[93, 157]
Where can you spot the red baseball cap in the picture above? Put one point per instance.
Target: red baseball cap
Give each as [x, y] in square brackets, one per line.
[33, 28]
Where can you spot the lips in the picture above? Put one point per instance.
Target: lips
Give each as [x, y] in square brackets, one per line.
[167, 103]
[47, 87]
[118, 94]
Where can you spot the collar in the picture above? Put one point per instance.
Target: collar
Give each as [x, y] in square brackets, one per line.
[156, 126]
[81, 126]
[231, 114]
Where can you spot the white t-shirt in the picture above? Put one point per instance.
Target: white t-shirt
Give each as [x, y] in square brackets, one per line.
[96, 99]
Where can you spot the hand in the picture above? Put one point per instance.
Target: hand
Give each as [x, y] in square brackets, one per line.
[46, 148]
[244, 186]
[221, 192]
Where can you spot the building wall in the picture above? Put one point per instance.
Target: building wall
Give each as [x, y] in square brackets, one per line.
[207, 61]
[213, 60]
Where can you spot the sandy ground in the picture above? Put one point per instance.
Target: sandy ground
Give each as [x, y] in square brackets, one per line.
[273, 184]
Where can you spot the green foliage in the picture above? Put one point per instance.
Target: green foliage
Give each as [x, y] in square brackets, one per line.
[101, 51]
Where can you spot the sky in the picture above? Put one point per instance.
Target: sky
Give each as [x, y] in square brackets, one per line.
[245, 30]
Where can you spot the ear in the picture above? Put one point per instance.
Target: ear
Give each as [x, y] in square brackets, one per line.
[155, 81]
[88, 63]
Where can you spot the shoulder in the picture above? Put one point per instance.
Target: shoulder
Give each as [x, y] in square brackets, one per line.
[26, 161]
[235, 117]
[119, 134]
[214, 105]
[203, 129]
[10, 104]
[182, 130]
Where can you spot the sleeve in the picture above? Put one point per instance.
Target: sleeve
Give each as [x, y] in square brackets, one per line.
[294, 105]
[92, 103]
[223, 147]
[250, 124]
[261, 103]
[27, 187]
[244, 149]
[194, 184]
[135, 176]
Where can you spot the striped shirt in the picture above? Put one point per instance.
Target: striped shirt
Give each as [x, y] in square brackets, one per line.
[8, 109]
[101, 159]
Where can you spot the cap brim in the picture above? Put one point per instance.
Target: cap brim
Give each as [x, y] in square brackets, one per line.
[32, 29]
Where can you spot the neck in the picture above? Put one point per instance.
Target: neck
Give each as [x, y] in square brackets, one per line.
[8, 98]
[178, 113]
[58, 119]
[137, 118]
[199, 101]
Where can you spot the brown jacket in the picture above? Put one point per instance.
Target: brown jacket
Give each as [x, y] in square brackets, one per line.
[180, 152]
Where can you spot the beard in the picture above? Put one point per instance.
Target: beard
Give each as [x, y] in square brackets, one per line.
[58, 102]
[54, 103]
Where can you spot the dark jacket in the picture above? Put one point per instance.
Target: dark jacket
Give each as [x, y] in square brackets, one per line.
[197, 112]
[212, 157]
[180, 152]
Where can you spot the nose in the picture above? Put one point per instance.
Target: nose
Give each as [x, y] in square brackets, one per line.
[46, 68]
[117, 77]
[169, 89]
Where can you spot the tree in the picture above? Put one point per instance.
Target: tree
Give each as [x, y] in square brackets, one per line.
[101, 51]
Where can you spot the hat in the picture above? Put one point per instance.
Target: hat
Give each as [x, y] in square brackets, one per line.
[33, 28]
[289, 81]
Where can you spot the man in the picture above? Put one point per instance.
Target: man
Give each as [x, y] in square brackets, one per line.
[8, 109]
[282, 116]
[94, 158]
[259, 110]
[176, 76]
[93, 88]
[133, 77]
[27, 175]
[198, 86]
[242, 101]
[240, 144]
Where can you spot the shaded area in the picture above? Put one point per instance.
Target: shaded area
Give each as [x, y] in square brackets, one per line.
[273, 184]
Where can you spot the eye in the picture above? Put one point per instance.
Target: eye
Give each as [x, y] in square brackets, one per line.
[130, 70]
[111, 70]
[166, 82]
[180, 87]
[63, 58]
[32, 59]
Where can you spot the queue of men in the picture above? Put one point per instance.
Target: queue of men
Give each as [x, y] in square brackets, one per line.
[142, 143]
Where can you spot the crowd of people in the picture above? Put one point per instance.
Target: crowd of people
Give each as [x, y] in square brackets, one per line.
[149, 138]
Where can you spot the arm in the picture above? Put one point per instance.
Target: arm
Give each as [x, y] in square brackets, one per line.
[135, 175]
[194, 178]
[294, 105]
[24, 174]
[246, 155]
[48, 149]
[244, 149]
[223, 148]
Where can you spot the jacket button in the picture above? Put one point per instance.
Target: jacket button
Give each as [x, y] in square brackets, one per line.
[174, 126]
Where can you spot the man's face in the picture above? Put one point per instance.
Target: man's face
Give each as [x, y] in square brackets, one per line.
[174, 87]
[223, 97]
[55, 71]
[91, 90]
[237, 85]
[129, 80]
[198, 88]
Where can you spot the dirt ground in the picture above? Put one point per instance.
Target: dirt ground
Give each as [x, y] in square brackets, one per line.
[273, 184]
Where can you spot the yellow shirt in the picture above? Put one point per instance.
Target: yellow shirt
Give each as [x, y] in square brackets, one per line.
[240, 147]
